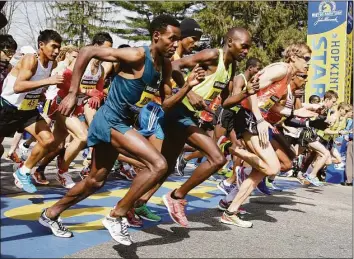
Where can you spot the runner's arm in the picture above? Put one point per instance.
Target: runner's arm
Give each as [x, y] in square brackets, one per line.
[272, 73]
[169, 100]
[205, 58]
[26, 69]
[134, 56]
[237, 94]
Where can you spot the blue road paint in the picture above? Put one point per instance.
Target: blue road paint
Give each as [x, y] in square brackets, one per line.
[23, 237]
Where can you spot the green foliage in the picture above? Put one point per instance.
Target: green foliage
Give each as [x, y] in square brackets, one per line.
[136, 25]
[78, 21]
[273, 25]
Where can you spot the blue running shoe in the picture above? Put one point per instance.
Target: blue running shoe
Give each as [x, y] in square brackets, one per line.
[314, 181]
[85, 153]
[25, 181]
[226, 189]
[262, 187]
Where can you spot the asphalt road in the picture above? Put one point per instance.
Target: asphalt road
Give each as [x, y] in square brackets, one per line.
[296, 223]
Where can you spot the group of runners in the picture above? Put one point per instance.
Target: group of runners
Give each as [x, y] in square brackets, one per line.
[156, 106]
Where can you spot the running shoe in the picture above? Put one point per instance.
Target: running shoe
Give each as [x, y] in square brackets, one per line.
[314, 181]
[301, 179]
[85, 153]
[23, 151]
[213, 178]
[176, 209]
[40, 178]
[223, 205]
[286, 174]
[235, 220]
[180, 165]
[262, 187]
[126, 173]
[226, 189]
[24, 181]
[14, 157]
[57, 228]
[133, 220]
[272, 186]
[65, 179]
[118, 228]
[145, 213]
[84, 172]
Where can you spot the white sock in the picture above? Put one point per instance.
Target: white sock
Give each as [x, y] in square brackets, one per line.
[24, 170]
[231, 196]
[226, 183]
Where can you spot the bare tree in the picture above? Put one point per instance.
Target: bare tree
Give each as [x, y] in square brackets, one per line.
[8, 10]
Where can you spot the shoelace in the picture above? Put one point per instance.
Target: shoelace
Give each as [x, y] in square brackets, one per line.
[26, 180]
[124, 228]
[60, 225]
[180, 207]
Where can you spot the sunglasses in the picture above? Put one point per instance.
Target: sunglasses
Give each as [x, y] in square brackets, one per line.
[8, 52]
[307, 58]
[302, 76]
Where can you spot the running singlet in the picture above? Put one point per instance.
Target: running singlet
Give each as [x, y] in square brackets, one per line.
[88, 82]
[213, 84]
[26, 101]
[270, 95]
[274, 117]
[125, 93]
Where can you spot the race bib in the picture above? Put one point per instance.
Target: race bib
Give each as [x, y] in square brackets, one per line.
[215, 91]
[30, 102]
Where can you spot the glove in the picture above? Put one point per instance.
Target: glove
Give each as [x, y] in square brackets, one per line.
[319, 124]
[94, 102]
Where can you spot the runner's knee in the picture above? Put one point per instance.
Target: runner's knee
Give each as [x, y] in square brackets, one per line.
[218, 160]
[96, 181]
[48, 142]
[286, 165]
[159, 166]
[82, 137]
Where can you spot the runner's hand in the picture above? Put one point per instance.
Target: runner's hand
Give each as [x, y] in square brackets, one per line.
[304, 113]
[196, 101]
[67, 105]
[263, 133]
[54, 80]
[94, 102]
[196, 76]
[253, 85]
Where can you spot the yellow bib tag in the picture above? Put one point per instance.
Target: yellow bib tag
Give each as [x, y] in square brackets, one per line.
[30, 102]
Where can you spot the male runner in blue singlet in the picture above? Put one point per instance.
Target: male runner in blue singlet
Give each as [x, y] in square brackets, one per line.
[111, 133]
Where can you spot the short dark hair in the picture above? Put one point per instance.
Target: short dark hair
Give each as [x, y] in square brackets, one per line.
[252, 62]
[160, 23]
[7, 42]
[313, 97]
[123, 46]
[100, 37]
[48, 35]
[330, 94]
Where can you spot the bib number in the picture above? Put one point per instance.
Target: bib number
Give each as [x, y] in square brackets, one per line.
[30, 102]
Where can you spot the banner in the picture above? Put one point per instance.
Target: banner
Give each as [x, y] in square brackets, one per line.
[348, 98]
[327, 37]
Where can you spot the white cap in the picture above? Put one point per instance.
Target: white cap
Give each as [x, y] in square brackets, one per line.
[27, 50]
